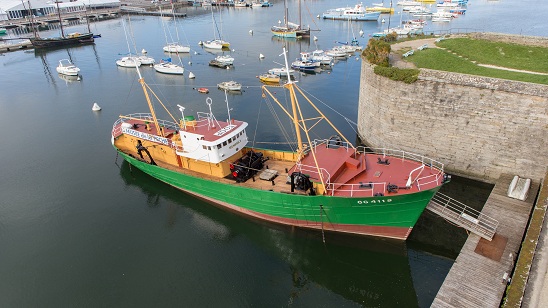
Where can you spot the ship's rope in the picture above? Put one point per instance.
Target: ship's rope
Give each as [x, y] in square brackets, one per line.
[276, 117]
[321, 219]
[351, 123]
[257, 124]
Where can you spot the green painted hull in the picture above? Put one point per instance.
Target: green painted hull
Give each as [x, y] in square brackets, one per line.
[385, 216]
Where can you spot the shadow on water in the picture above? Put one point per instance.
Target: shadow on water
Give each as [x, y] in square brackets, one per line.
[366, 271]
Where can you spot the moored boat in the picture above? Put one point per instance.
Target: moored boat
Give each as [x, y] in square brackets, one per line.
[74, 38]
[281, 71]
[218, 63]
[227, 59]
[327, 184]
[269, 78]
[230, 85]
[167, 67]
[66, 67]
[129, 61]
[358, 13]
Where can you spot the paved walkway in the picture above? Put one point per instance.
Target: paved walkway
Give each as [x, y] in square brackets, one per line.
[396, 58]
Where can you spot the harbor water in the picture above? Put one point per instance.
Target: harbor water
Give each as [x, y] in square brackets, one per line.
[80, 228]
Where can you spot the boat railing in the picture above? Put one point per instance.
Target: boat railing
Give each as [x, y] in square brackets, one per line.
[145, 117]
[369, 189]
[463, 215]
[331, 143]
[312, 171]
[428, 162]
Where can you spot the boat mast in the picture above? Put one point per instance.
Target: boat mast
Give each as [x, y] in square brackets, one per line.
[87, 18]
[60, 20]
[144, 86]
[31, 17]
[289, 85]
[300, 17]
[285, 15]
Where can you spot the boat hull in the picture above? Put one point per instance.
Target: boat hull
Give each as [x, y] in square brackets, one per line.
[382, 216]
[86, 38]
[292, 34]
[373, 16]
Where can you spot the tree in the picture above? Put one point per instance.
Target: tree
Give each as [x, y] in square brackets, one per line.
[377, 52]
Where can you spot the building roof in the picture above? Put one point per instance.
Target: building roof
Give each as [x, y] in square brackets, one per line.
[17, 5]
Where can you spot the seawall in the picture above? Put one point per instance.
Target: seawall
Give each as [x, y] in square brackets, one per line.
[479, 127]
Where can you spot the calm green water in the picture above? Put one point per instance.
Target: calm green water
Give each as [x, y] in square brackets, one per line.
[79, 228]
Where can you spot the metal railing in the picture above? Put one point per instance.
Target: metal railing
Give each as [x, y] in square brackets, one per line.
[463, 215]
[145, 117]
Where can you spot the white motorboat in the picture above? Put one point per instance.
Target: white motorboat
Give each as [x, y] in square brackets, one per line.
[321, 57]
[146, 60]
[129, 61]
[66, 67]
[282, 71]
[227, 59]
[230, 86]
[336, 52]
[305, 65]
[167, 67]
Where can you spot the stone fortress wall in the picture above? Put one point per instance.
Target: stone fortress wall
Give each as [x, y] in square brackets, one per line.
[479, 127]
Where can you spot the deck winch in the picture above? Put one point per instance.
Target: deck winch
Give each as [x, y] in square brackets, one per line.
[247, 166]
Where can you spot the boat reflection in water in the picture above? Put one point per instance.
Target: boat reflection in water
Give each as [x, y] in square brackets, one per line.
[362, 270]
[70, 78]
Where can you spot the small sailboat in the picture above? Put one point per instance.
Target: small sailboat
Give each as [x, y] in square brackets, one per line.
[287, 29]
[128, 61]
[174, 46]
[167, 67]
[217, 42]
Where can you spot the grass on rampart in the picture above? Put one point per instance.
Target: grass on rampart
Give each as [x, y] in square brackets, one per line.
[439, 59]
[508, 55]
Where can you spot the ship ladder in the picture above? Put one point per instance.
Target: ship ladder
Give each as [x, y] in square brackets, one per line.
[463, 216]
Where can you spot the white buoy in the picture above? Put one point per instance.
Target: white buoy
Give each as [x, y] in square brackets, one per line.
[189, 62]
[143, 51]
[361, 33]
[79, 78]
[191, 75]
[95, 107]
[382, 20]
[195, 52]
[315, 38]
[233, 50]
[279, 21]
[201, 43]
[251, 32]
[318, 16]
[261, 56]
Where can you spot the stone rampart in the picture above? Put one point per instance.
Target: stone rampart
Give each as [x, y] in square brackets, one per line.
[478, 127]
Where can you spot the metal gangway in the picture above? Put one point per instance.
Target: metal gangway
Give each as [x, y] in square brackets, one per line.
[463, 216]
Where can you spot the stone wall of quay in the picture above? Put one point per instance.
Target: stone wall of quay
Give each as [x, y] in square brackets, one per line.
[478, 127]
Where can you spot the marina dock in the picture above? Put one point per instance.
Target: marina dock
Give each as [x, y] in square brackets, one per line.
[480, 274]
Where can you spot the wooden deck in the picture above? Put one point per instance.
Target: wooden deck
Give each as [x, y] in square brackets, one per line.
[476, 278]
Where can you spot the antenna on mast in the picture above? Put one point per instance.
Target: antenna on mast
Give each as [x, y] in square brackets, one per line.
[182, 109]
[286, 66]
[227, 108]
